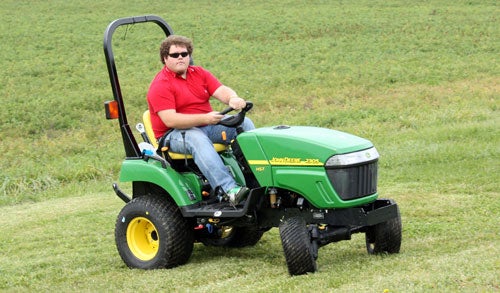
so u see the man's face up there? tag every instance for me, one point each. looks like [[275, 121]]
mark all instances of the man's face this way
[[177, 64]]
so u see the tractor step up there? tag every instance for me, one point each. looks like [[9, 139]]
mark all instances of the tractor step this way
[[224, 209]]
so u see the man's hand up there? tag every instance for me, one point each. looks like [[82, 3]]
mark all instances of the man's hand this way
[[237, 103], [213, 118]]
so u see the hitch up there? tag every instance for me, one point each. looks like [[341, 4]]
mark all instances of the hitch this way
[[323, 235]]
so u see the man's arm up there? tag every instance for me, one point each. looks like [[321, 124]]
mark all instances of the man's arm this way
[[229, 97], [183, 121]]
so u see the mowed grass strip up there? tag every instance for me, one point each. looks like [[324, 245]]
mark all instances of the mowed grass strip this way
[[67, 244]]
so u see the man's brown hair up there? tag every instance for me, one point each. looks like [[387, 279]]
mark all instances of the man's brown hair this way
[[177, 41]]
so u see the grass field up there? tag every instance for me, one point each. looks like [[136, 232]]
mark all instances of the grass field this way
[[420, 80]]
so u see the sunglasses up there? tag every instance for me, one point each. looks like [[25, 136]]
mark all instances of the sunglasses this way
[[176, 55]]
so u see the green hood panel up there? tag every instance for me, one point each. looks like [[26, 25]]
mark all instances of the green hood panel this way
[[293, 158], [297, 145]]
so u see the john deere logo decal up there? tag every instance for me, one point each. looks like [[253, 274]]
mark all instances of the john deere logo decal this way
[[295, 162], [286, 161]]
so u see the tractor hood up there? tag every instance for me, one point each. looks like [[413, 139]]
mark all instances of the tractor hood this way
[[297, 145]]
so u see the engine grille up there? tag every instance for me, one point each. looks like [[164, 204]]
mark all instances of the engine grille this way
[[352, 182]]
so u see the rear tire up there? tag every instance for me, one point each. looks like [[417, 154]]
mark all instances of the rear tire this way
[[245, 236], [384, 237], [300, 254], [150, 233]]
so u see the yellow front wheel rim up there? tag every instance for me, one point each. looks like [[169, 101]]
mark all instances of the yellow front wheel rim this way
[[142, 238]]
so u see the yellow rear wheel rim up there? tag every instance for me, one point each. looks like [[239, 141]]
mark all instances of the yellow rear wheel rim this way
[[142, 238]]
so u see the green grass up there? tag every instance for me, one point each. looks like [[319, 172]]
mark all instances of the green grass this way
[[420, 80], [67, 244]]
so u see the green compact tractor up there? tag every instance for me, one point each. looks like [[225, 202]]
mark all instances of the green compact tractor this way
[[316, 185]]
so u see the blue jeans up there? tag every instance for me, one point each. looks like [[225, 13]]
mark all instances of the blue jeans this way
[[199, 143]]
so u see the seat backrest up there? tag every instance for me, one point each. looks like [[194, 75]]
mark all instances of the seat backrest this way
[[146, 119]]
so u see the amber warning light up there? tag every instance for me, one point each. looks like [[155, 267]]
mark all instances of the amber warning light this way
[[111, 108]]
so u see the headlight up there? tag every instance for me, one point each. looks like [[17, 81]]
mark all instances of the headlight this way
[[355, 158]]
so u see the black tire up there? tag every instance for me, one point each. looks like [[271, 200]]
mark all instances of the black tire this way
[[300, 254], [245, 236], [150, 233], [384, 237], [236, 237]]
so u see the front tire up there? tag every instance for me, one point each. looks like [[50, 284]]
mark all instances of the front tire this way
[[384, 237], [150, 233], [300, 254]]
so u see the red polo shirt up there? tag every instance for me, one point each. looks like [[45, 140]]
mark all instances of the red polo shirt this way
[[187, 96]]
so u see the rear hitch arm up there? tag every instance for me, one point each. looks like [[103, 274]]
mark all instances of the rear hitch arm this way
[[121, 194]]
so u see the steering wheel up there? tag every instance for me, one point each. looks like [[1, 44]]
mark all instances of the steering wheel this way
[[235, 120]]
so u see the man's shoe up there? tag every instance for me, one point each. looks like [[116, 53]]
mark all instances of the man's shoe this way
[[237, 194]]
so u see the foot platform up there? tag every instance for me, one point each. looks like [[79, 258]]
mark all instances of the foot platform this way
[[223, 209]]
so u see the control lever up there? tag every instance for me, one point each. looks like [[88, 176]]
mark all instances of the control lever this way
[[148, 152], [142, 131]]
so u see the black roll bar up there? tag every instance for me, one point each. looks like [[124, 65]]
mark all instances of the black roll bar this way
[[129, 142]]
